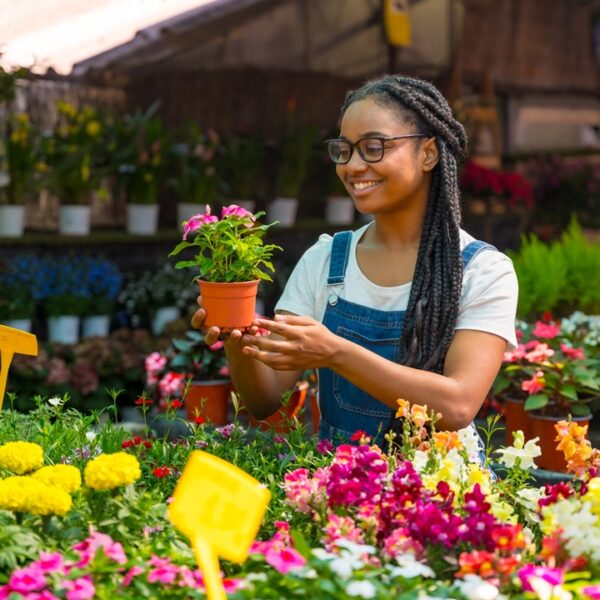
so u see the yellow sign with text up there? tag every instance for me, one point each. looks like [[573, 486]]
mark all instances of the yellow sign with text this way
[[396, 19], [219, 508], [13, 341]]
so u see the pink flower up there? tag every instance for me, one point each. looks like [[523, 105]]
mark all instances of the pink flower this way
[[546, 331], [79, 589], [172, 384], [166, 575], [574, 353], [96, 541], [324, 446], [516, 355], [133, 572], [216, 346], [535, 384], [155, 362], [285, 559], [233, 210], [43, 595], [198, 221], [28, 579], [592, 591], [50, 561], [224, 371], [552, 576], [539, 354]]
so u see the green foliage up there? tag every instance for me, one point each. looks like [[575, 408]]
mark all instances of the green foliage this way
[[560, 277], [242, 166]]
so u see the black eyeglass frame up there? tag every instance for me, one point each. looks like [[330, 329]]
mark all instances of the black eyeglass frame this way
[[370, 137]]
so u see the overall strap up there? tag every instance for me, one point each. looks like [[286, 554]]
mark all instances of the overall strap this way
[[340, 251], [471, 250]]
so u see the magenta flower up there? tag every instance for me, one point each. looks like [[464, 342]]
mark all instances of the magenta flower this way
[[133, 572], [592, 591], [50, 561], [546, 331], [79, 589], [324, 446], [284, 560], [198, 221], [96, 541], [233, 210], [574, 353], [552, 576], [28, 579]]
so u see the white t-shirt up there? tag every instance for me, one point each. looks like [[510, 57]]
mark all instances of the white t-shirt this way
[[488, 299]]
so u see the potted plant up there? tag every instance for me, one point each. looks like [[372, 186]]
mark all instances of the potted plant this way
[[23, 166], [558, 379], [62, 296], [196, 164], [103, 281], [295, 153], [138, 148], [17, 304], [243, 163], [74, 153], [339, 208], [231, 258]]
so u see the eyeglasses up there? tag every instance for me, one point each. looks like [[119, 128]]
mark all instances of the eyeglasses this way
[[370, 149]]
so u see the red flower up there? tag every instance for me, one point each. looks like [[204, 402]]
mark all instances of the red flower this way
[[127, 444], [176, 404], [143, 401], [199, 420], [358, 435], [161, 472]]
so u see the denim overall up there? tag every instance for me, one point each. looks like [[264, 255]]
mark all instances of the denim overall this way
[[344, 407]]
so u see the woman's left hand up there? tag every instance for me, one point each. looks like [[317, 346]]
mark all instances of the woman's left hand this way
[[299, 343]]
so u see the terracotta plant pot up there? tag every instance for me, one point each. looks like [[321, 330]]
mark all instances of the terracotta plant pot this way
[[208, 399], [551, 459], [281, 420], [515, 418], [229, 305]]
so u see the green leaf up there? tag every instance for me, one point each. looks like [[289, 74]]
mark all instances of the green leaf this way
[[536, 401], [580, 410], [181, 246], [182, 345], [569, 391]]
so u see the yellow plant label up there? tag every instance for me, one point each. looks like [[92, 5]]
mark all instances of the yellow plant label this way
[[13, 341]]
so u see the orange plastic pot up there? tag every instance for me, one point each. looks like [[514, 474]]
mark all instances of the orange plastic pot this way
[[551, 459], [229, 305], [515, 418], [208, 399], [281, 420]]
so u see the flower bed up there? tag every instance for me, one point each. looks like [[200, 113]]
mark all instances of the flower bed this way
[[83, 514]]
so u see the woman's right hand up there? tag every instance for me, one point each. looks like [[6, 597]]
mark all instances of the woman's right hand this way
[[214, 334]]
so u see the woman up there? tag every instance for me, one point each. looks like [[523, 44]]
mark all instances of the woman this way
[[408, 306]]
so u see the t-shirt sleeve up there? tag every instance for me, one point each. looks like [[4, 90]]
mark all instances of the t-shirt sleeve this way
[[489, 296]]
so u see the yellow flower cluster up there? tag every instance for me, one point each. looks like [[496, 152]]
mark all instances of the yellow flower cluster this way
[[109, 471], [26, 494], [21, 457], [65, 477]]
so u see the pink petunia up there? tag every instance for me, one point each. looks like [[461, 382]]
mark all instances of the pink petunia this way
[[546, 331], [198, 221], [592, 591], [284, 560], [233, 210], [50, 561], [552, 576]]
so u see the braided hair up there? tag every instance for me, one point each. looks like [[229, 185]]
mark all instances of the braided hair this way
[[432, 308]]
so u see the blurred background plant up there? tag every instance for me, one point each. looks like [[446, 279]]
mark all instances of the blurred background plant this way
[[103, 282], [242, 166], [17, 279]]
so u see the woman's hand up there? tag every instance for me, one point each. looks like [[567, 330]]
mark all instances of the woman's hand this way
[[299, 343], [213, 334]]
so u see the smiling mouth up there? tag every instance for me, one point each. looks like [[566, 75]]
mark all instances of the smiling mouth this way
[[364, 185]]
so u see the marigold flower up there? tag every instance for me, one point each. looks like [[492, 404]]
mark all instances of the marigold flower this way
[[26, 494], [21, 457], [65, 477], [109, 471]]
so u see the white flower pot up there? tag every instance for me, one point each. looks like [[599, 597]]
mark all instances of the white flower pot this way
[[22, 324], [74, 219], [142, 219], [12, 220], [96, 326], [283, 210], [162, 317], [339, 210], [186, 210], [249, 205], [64, 330]]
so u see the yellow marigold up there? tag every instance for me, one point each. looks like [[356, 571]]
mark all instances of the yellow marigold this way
[[65, 477], [26, 494], [109, 471], [21, 457]]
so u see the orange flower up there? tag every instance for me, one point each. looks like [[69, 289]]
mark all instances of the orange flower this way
[[446, 440], [419, 414], [403, 409], [573, 443]]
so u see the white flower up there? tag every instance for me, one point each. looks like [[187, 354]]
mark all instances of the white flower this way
[[342, 567], [356, 550], [528, 498], [55, 401], [410, 567], [322, 554], [90, 436], [419, 461], [544, 590], [362, 589], [471, 442], [475, 588], [526, 453]]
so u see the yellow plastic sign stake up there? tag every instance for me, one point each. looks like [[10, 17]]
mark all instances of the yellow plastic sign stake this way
[[13, 341], [219, 508], [396, 18]]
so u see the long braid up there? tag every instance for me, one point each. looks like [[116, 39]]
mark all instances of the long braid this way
[[432, 309]]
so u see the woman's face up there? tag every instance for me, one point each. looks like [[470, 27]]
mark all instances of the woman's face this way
[[401, 179]]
